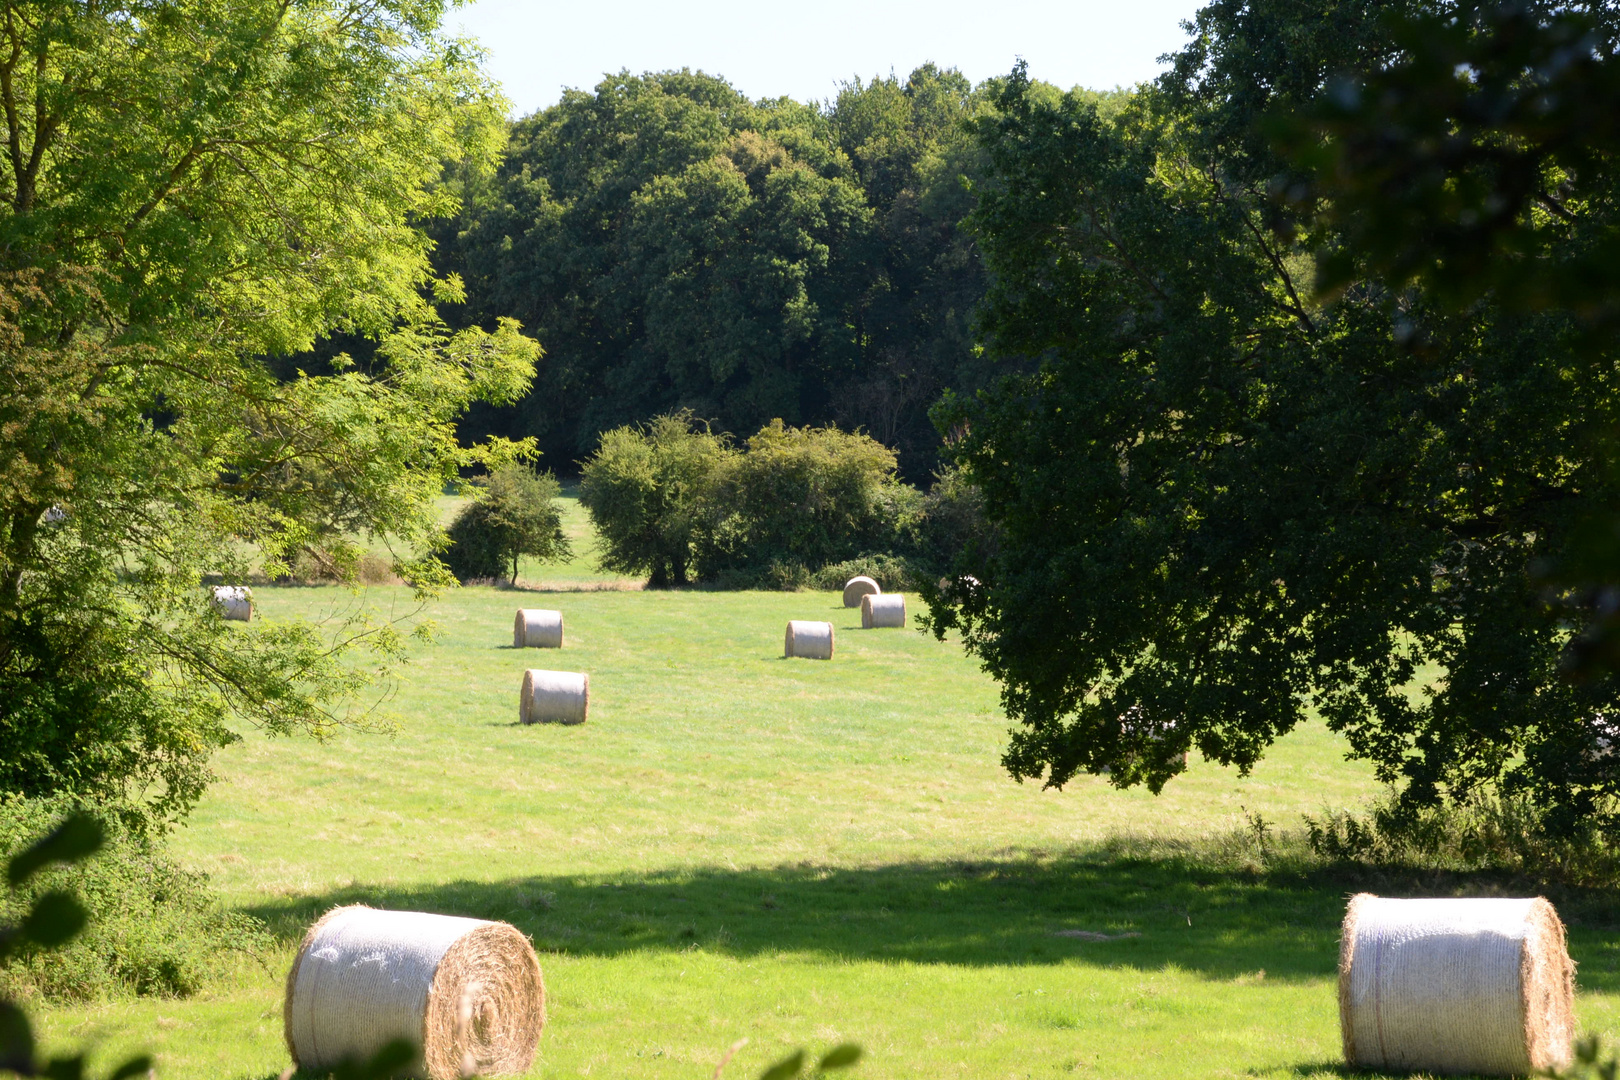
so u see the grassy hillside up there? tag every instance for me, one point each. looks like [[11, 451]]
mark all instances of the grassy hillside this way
[[795, 852]]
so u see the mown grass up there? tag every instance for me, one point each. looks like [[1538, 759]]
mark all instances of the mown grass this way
[[794, 852]]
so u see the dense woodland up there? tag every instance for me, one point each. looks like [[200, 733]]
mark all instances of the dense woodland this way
[[674, 245]]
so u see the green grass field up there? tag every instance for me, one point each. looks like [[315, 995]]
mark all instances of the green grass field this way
[[795, 852]]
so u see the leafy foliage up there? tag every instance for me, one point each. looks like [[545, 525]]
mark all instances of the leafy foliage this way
[[804, 497], [679, 246], [516, 515], [646, 490], [675, 500], [190, 190], [1477, 164], [52, 919], [1220, 503], [157, 927]]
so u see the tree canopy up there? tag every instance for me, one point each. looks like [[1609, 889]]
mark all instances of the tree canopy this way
[[188, 189], [678, 246], [1223, 503]]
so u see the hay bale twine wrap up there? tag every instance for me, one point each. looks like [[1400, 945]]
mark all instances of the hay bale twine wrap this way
[[809, 640], [1455, 986], [537, 628], [467, 991], [878, 612], [235, 602], [857, 587], [554, 697]]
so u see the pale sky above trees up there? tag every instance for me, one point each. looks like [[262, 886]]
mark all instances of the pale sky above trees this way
[[770, 50]]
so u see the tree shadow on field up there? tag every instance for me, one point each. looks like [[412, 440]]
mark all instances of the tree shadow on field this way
[[1100, 908]]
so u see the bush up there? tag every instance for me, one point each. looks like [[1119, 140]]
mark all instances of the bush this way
[[516, 514], [952, 535], [891, 572], [155, 928], [805, 497], [647, 490], [1485, 832]]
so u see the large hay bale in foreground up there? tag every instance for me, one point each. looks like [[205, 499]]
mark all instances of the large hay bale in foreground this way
[[467, 991], [554, 697], [1455, 986], [809, 640], [857, 587], [537, 628], [234, 602], [878, 612]]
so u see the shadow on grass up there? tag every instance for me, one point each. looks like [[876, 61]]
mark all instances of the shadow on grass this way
[[1219, 922]]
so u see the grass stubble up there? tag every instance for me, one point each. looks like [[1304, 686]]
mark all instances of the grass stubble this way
[[795, 852]]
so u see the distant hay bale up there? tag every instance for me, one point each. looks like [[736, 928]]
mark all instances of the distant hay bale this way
[[809, 640], [554, 697], [1455, 986], [537, 628], [878, 612], [466, 991], [857, 587], [234, 602]]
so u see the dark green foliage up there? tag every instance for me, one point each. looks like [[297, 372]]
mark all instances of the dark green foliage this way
[[79, 712], [1219, 504], [154, 927], [676, 245], [515, 514], [647, 489], [792, 1067], [952, 536], [1479, 163]]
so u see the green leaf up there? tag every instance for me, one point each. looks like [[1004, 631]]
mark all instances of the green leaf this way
[[135, 1066], [16, 1040], [56, 917], [64, 1068], [785, 1069], [840, 1057], [78, 836]]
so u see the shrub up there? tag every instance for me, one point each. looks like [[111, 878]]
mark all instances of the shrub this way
[[647, 488], [891, 572], [515, 514], [155, 928], [1484, 832], [951, 535], [805, 497]]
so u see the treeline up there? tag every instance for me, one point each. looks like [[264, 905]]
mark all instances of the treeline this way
[[674, 245], [788, 508]]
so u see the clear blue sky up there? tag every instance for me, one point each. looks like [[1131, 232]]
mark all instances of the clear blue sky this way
[[805, 50]]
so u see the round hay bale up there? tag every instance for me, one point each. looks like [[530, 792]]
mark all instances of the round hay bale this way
[[536, 628], [810, 640], [857, 587], [466, 991], [882, 611], [554, 697], [1455, 986], [234, 602]]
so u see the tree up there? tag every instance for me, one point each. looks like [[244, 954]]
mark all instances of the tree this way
[[804, 497], [645, 489], [1478, 164], [1222, 504], [679, 246], [190, 188], [517, 515]]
